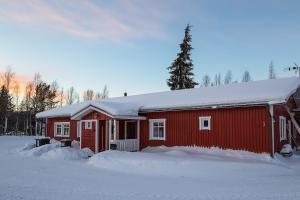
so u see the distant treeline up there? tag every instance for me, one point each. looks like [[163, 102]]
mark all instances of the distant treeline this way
[[20, 103]]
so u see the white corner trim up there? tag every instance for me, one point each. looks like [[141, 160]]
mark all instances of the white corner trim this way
[[271, 110]]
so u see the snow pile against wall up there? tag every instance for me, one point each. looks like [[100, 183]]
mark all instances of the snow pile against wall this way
[[175, 161], [254, 92], [53, 151], [216, 152]]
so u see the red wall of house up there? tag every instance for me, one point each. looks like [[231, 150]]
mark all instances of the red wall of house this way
[[245, 128], [88, 135], [73, 128]]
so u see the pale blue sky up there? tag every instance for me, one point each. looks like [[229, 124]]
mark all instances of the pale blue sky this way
[[128, 45]]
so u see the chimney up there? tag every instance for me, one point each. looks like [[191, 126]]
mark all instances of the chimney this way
[[125, 94]]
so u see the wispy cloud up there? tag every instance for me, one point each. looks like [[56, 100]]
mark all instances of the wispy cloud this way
[[96, 20]]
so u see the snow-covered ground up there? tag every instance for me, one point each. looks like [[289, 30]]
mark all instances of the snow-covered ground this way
[[51, 172]]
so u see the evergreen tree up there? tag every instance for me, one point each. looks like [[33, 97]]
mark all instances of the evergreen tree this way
[[6, 103], [272, 74], [44, 97], [181, 69], [206, 80], [246, 77], [217, 79], [228, 78]]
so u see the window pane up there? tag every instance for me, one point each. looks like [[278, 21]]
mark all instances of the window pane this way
[[112, 136], [161, 124], [205, 123], [161, 132], [66, 129], [155, 132], [131, 130], [58, 129], [155, 124]]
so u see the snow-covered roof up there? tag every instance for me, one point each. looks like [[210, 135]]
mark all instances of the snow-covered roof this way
[[254, 92]]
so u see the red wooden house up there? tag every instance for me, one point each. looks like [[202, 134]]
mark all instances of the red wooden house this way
[[258, 116]]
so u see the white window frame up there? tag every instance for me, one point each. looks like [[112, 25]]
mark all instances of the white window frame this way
[[62, 125], [151, 123], [201, 123], [79, 128], [282, 128], [88, 124], [55, 129]]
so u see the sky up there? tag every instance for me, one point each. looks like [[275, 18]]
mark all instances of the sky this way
[[128, 44]]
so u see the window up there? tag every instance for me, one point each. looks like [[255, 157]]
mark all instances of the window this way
[[62, 129], [88, 125], [58, 129], [114, 128], [157, 129], [282, 128], [66, 131], [130, 130], [204, 123], [78, 128]]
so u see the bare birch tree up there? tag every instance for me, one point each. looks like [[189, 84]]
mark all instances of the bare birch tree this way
[[72, 96]]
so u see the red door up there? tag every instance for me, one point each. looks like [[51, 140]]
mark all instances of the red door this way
[[88, 133]]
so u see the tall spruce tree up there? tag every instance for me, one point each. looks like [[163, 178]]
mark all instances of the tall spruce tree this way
[[228, 78], [206, 80], [246, 76], [181, 69], [272, 74], [6, 103]]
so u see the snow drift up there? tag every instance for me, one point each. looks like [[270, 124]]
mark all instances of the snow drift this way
[[54, 151], [174, 161]]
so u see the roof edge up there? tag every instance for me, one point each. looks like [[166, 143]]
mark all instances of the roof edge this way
[[212, 106]]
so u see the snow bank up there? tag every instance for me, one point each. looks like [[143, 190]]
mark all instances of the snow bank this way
[[67, 153], [213, 152], [54, 151], [175, 161], [28, 178]]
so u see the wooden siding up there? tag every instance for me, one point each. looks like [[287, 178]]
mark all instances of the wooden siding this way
[[88, 135], [244, 128], [73, 128]]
